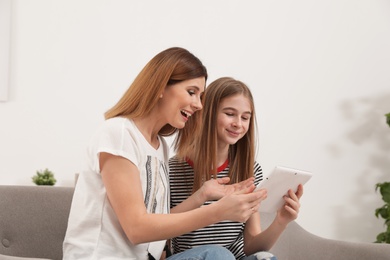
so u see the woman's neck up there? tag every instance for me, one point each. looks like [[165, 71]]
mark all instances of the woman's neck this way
[[149, 130]]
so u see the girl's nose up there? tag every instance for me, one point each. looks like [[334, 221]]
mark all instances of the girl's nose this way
[[237, 123]]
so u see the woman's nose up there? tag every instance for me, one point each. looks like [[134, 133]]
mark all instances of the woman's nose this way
[[197, 104]]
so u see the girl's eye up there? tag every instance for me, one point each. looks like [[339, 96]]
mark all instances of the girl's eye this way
[[229, 114], [245, 118]]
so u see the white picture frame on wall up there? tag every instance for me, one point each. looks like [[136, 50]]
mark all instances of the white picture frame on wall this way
[[5, 35]]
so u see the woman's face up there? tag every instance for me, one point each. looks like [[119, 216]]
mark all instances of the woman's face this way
[[233, 119], [181, 100]]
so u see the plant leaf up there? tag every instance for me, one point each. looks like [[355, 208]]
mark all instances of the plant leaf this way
[[380, 237], [384, 189], [388, 119]]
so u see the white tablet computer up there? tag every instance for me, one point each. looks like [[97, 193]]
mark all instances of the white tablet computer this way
[[277, 185]]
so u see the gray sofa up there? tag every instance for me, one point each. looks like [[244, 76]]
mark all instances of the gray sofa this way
[[33, 221]]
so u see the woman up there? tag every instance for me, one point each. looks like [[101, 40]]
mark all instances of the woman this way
[[225, 147], [120, 204]]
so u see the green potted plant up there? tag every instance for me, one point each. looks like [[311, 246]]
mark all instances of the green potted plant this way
[[388, 119], [44, 177], [384, 211]]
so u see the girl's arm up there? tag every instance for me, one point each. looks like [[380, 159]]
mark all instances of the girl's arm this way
[[256, 240], [119, 174]]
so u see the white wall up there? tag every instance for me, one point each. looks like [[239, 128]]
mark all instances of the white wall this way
[[319, 71], [5, 35]]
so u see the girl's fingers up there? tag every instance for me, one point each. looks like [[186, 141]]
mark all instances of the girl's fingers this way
[[293, 203], [223, 180], [297, 195], [292, 211], [249, 181], [263, 193], [245, 190], [292, 195], [299, 192], [246, 183]]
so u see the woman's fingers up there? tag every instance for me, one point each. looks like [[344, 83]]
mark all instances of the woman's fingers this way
[[245, 203]]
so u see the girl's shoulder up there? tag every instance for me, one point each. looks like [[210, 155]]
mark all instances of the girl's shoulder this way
[[258, 173], [175, 161], [257, 166]]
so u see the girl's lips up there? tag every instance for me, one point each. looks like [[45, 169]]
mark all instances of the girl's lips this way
[[233, 133]]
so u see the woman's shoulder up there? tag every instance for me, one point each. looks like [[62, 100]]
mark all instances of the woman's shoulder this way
[[117, 121], [115, 130], [116, 124]]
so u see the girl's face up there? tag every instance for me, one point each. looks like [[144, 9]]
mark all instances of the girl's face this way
[[233, 119], [181, 100]]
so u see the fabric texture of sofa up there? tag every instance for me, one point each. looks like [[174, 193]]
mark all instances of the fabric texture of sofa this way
[[33, 222]]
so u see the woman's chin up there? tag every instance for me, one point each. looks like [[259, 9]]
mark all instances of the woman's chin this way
[[179, 125]]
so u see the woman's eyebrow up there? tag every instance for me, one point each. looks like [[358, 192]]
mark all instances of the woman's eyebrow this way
[[195, 87]]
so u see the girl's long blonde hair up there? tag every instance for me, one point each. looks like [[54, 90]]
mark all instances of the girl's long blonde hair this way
[[241, 155]]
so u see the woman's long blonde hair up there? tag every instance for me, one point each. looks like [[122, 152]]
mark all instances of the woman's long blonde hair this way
[[168, 67], [241, 155]]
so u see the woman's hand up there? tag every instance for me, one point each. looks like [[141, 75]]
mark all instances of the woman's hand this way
[[215, 189], [241, 204], [290, 209]]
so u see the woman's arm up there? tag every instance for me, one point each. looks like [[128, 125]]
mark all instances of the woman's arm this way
[[213, 189], [256, 240], [119, 174]]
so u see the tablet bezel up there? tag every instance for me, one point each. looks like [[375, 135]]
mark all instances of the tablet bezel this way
[[277, 185]]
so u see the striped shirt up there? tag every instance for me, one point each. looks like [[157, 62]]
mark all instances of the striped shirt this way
[[226, 233]]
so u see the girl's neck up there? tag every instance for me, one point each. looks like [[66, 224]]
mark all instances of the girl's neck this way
[[222, 155]]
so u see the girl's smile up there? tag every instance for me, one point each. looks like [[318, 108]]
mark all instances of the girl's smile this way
[[233, 120]]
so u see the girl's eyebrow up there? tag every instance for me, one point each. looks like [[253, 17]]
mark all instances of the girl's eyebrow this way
[[232, 108]]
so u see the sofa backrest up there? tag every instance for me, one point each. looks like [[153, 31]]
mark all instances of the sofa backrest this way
[[33, 220]]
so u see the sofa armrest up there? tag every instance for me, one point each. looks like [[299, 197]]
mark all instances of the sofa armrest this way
[[296, 243]]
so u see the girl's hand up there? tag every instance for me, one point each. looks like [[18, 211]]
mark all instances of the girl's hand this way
[[215, 189], [290, 209]]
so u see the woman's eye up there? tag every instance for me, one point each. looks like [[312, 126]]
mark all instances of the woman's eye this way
[[191, 92], [229, 114]]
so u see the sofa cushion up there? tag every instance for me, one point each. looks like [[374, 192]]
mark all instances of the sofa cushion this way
[[33, 220]]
